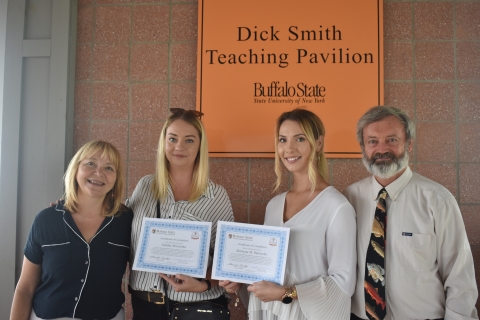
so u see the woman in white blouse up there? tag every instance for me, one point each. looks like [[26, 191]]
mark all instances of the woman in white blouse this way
[[321, 261]]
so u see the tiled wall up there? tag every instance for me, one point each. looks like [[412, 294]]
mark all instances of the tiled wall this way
[[137, 58]]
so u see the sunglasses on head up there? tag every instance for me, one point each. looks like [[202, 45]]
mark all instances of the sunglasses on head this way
[[179, 111]]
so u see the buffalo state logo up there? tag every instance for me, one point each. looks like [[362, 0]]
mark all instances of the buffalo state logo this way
[[273, 242]]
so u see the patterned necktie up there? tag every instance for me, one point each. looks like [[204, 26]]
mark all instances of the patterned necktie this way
[[375, 303]]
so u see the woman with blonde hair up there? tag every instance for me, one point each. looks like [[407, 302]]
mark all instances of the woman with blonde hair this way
[[180, 190], [321, 260], [77, 251]]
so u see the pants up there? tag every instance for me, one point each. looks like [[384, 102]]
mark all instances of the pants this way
[[120, 316], [144, 310], [354, 317]]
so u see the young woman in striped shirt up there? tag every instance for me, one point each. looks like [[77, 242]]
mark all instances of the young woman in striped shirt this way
[[183, 191]]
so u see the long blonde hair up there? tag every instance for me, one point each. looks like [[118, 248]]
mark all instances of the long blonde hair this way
[[313, 128], [112, 203], [200, 170]]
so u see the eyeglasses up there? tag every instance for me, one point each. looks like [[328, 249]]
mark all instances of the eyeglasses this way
[[180, 111]]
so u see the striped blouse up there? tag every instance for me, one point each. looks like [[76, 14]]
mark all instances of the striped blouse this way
[[213, 205]]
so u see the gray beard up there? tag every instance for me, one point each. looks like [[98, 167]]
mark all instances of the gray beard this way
[[386, 170]]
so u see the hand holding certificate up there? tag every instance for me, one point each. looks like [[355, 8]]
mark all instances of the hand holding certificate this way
[[249, 253], [173, 247]]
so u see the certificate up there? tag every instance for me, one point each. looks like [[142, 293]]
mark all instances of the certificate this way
[[249, 253], [173, 247]]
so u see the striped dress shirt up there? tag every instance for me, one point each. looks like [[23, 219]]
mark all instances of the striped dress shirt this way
[[213, 205]]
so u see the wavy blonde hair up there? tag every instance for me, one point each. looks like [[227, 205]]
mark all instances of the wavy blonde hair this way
[[313, 128], [112, 203], [200, 170]]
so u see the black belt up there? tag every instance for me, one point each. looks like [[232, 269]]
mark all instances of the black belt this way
[[354, 317], [156, 297]]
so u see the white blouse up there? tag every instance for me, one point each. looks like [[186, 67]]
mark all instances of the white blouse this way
[[321, 260]]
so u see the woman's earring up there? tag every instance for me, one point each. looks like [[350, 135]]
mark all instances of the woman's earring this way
[[113, 196]]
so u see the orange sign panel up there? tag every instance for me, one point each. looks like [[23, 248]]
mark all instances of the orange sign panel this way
[[259, 58]]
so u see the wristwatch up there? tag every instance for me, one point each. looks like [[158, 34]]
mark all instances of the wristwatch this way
[[290, 294]]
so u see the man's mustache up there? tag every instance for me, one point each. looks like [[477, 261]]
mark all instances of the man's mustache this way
[[386, 155]]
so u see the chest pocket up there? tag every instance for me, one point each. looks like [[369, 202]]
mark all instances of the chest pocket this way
[[117, 257], [418, 251], [117, 247], [56, 256]]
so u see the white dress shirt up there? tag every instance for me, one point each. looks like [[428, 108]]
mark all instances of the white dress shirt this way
[[428, 262], [320, 261]]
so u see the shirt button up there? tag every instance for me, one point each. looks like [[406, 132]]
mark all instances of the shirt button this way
[[81, 280], [76, 298], [86, 262]]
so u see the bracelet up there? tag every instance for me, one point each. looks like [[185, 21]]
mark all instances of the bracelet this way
[[209, 285]]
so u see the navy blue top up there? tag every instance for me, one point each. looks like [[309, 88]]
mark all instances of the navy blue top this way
[[79, 279]]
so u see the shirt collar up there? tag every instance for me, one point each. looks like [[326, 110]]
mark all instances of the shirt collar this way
[[60, 205], [394, 188], [208, 193]]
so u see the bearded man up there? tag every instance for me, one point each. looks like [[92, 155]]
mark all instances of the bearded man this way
[[414, 258]]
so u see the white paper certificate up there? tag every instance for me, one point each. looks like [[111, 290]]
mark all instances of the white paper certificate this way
[[173, 247], [249, 253]]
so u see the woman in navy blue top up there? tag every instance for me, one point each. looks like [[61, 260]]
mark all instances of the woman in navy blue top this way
[[77, 251]]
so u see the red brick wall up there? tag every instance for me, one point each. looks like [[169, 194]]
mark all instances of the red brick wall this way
[[136, 59]]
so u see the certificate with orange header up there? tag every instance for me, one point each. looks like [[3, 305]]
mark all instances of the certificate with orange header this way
[[248, 253], [173, 247]]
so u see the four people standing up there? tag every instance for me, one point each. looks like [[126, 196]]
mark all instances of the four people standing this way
[[424, 270]]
